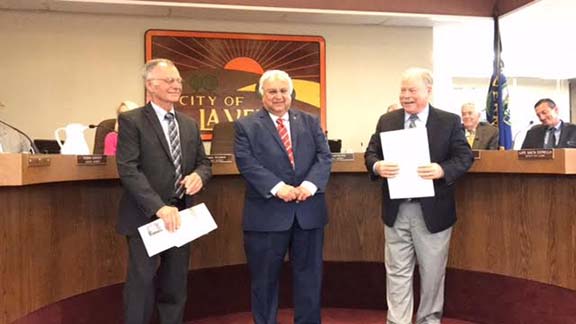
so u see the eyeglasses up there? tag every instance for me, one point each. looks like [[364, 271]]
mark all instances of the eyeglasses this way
[[274, 92], [167, 80]]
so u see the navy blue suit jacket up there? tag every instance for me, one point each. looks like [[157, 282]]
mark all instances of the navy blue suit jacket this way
[[448, 147], [263, 162]]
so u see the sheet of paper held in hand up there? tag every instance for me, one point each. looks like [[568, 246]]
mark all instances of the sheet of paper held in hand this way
[[195, 222], [409, 148]]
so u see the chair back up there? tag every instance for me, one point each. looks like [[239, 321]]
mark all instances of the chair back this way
[[104, 127]]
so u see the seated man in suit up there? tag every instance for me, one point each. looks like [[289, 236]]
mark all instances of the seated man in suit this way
[[552, 132], [480, 135]]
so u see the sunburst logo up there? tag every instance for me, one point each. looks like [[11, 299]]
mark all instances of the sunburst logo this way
[[221, 71]]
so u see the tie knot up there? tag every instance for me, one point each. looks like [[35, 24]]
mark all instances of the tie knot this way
[[551, 129], [413, 117], [280, 122], [169, 116]]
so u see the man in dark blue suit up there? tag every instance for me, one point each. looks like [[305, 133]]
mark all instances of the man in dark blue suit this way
[[284, 157], [419, 229]]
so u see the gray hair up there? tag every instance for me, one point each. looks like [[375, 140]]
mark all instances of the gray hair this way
[[150, 65], [422, 73], [274, 75]]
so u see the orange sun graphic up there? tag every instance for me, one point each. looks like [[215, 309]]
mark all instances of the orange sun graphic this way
[[244, 64]]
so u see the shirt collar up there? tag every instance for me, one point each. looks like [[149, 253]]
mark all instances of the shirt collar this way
[[557, 126], [275, 118], [160, 112], [422, 116]]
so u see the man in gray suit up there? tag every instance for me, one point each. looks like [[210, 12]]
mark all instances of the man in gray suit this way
[[480, 135], [161, 163], [419, 229]]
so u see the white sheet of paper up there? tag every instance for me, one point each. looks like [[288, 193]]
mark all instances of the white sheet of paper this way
[[196, 221], [409, 148], [156, 237]]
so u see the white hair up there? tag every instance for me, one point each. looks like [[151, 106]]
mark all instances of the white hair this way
[[274, 75]]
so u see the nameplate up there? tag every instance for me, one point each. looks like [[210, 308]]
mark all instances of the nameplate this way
[[88, 160], [476, 154], [220, 158], [342, 156], [34, 161], [536, 154]]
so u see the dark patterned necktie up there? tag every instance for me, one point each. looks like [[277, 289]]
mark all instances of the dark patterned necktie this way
[[412, 121], [551, 138], [176, 154], [283, 132]]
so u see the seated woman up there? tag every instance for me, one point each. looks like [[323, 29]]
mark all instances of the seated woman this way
[[111, 139]]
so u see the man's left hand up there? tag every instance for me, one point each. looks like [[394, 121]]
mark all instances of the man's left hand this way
[[431, 171], [302, 193], [192, 183]]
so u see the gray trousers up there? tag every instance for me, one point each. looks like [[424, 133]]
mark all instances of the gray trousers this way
[[408, 242]]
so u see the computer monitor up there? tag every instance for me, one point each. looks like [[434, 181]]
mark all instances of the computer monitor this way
[[46, 146]]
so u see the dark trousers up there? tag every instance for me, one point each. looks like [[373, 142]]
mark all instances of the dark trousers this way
[[161, 279], [265, 252]]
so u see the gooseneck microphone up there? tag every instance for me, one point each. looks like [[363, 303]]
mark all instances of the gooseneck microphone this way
[[32, 145], [521, 131]]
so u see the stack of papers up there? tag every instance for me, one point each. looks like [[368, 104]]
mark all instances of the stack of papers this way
[[196, 221], [409, 148]]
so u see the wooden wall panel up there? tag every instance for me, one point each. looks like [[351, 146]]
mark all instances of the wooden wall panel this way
[[518, 225], [59, 240]]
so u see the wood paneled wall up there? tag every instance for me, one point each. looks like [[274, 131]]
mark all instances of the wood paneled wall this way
[[58, 239]]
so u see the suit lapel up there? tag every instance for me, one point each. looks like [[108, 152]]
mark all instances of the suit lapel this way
[[266, 121], [295, 124], [563, 135], [155, 123], [433, 123], [185, 137]]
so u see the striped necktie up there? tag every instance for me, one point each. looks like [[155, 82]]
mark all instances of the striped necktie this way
[[412, 121], [176, 154], [283, 132]]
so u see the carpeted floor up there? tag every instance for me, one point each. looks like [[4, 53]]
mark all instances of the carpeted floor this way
[[329, 316]]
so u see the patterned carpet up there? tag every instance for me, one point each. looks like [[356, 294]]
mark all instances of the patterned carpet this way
[[329, 316]]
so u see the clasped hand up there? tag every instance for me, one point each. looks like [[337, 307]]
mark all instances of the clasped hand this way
[[289, 193], [388, 170]]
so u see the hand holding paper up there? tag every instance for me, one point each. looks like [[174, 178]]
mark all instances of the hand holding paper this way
[[194, 222], [408, 150]]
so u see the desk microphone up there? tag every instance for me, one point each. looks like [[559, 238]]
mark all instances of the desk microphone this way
[[32, 145], [521, 131], [100, 126]]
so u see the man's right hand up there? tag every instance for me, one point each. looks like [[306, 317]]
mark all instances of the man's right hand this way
[[386, 169], [287, 193], [170, 217]]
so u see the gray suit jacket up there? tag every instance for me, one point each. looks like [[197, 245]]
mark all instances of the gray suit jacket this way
[[486, 137], [145, 165]]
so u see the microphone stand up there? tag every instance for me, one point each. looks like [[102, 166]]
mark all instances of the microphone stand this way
[[32, 145]]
